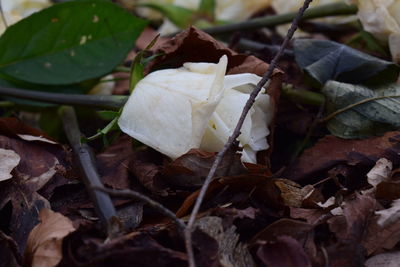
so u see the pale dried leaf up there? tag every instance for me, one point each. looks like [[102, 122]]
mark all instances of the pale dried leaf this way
[[380, 172], [45, 240], [292, 193], [390, 215], [390, 259], [28, 137], [8, 161]]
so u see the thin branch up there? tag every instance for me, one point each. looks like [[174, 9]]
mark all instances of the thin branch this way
[[138, 196], [102, 201], [364, 101], [236, 133], [334, 9], [109, 102]]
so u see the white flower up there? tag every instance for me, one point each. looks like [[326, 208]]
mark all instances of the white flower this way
[[15, 10], [195, 106], [382, 19]]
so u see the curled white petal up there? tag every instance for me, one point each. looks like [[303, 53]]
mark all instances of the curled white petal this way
[[223, 121], [169, 109]]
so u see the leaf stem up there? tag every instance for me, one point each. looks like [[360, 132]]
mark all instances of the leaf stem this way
[[236, 133], [334, 9], [109, 102], [102, 201], [339, 111], [303, 96]]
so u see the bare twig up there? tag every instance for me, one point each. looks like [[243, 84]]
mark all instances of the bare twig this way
[[138, 196], [110, 102], [236, 133], [349, 107], [3, 18], [102, 201]]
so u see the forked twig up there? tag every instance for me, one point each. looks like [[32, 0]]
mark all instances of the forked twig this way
[[236, 133]]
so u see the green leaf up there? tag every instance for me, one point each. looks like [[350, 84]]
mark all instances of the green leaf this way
[[180, 16], [69, 42], [207, 7], [360, 111], [327, 60]]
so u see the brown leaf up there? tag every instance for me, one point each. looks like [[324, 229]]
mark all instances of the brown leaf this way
[[112, 164], [8, 161], [388, 190], [44, 242], [284, 227], [292, 193], [231, 252], [312, 216], [379, 238], [284, 252], [331, 151], [192, 168]]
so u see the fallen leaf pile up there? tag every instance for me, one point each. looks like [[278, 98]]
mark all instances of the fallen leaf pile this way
[[325, 192]]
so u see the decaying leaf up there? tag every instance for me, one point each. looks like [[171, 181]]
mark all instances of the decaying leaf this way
[[285, 252], [8, 161], [231, 252], [332, 151], [292, 193], [44, 242], [380, 172]]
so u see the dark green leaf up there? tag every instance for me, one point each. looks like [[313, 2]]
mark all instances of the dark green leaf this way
[[377, 111], [180, 16], [69, 42], [327, 60]]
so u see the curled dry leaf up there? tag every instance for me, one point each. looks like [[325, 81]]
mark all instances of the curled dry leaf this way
[[292, 193], [380, 172], [45, 240], [8, 161]]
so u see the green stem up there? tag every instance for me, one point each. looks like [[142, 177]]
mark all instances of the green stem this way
[[335, 9], [122, 69], [102, 201], [109, 102], [303, 96], [349, 107]]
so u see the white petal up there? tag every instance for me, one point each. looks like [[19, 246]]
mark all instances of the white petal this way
[[170, 109]]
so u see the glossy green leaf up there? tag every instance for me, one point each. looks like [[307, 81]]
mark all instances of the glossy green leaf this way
[[180, 16], [327, 60], [69, 42], [367, 111]]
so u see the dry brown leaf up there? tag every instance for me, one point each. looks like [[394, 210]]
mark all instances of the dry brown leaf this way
[[8, 161], [292, 193], [332, 151], [45, 240]]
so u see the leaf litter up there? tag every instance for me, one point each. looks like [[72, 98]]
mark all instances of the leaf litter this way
[[335, 205]]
